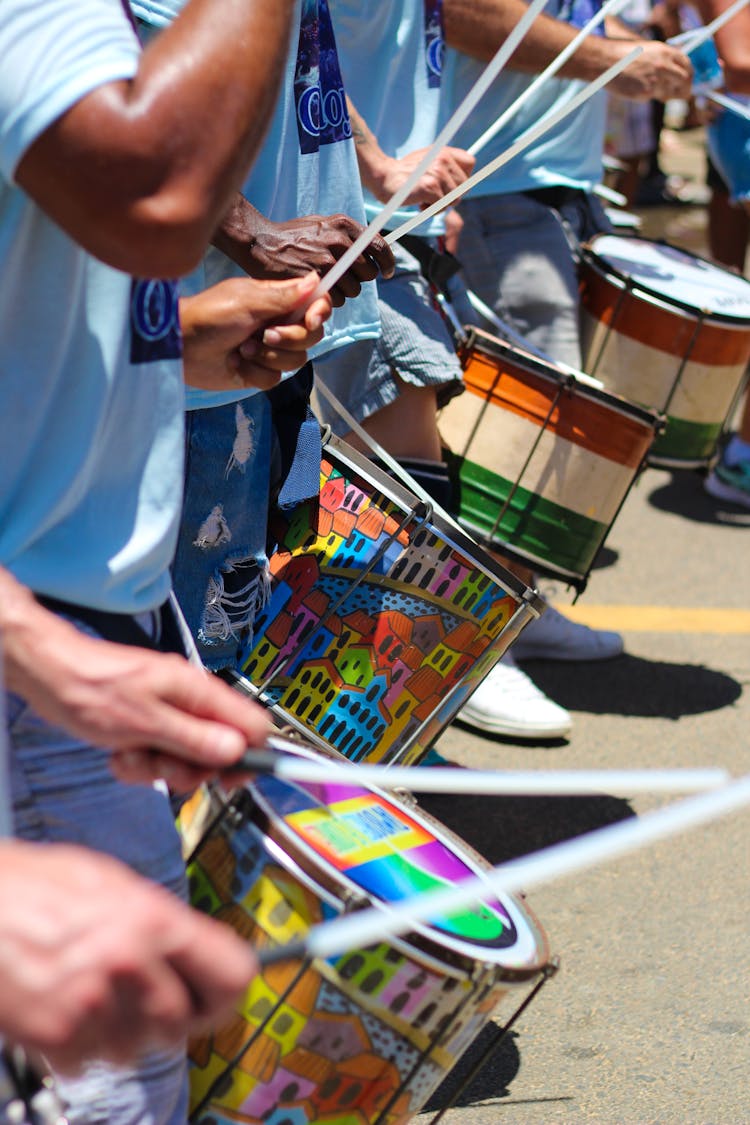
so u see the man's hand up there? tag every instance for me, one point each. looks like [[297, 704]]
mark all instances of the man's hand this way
[[160, 715], [661, 72], [96, 962], [315, 242], [448, 170], [236, 334]]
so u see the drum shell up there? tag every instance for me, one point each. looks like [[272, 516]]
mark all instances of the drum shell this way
[[542, 463], [651, 350], [375, 665], [372, 1028]]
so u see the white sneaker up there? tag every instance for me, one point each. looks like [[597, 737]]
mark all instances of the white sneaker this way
[[507, 702], [555, 637]]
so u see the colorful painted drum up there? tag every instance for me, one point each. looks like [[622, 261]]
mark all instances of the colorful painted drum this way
[[665, 328], [541, 461], [383, 618], [367, 1036]]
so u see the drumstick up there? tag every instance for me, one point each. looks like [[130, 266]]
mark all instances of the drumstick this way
[[447, 779], [689, 40], [376, 924], [504, 330], [727, 103], [446, 134], [606, 9], [523, 142]]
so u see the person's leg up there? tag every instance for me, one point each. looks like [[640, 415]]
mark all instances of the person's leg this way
[[517, 258], [64, 791], [728, 232]]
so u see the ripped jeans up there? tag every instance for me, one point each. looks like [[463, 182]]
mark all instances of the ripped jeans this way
[[240, 460]]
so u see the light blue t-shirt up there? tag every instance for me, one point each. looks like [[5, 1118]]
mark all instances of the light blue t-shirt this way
[[91, 392], [308, 165], [392, 58], [569, 154]]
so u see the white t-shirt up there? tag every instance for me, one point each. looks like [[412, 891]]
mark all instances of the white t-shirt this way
[[91, 392], [307, 165], [392, 57]]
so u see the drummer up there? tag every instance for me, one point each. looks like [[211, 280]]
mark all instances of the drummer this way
[[401, 40], [249, 450]]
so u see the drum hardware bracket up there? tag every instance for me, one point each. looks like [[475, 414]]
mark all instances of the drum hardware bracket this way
[[549, 970]]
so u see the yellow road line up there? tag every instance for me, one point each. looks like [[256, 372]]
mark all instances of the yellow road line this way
[[659, 619]]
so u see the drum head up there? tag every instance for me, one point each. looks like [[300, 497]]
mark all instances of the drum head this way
[[369, 843], [674, 275]]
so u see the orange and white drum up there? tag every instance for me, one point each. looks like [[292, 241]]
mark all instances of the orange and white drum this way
[[671, 331], [541, 461]]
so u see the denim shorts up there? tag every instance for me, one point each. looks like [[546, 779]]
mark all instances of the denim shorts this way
[[414, 344]]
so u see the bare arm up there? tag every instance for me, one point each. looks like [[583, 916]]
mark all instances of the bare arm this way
[[732, 43], [478, 27], [160, 715], [383, 175], [265, 249], [141, 172]]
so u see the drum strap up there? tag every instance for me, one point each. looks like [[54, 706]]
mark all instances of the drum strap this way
[[437, 266]]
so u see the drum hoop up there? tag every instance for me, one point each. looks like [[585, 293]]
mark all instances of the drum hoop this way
[[707, 316], [459, 952], [452, 534], [492, 345]]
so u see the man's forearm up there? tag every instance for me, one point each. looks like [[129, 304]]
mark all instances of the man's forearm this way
[[143, 167], [479, 27]]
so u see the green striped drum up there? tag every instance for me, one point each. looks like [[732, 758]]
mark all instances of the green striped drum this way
[[541, 461], [667, 329]]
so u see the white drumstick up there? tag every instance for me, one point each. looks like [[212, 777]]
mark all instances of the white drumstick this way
[[445, 135], [607, 9], [523, 142], [689, 40], [727, 103], [376, 924], [447, 779]]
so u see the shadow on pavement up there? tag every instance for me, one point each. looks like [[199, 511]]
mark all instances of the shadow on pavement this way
[[683, 495], [492, 1081], [631, 685], [502, 828]]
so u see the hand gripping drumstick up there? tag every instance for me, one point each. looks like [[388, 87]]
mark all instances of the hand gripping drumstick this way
[[548, 783], [446, 134], [378, 923], [689, 40], [610, 8], [523, 142]]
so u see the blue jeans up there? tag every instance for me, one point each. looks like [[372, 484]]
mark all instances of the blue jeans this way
[[519, 256], [241, 460], [64, 792]]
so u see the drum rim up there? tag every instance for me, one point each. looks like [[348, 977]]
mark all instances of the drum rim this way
[[592, 258], [653, 419], [458, 950], [453, 535]]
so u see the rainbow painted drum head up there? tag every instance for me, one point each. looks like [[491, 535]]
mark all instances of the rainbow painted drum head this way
[[667, 329], [369, 1035], [541, 462], [383, 617]]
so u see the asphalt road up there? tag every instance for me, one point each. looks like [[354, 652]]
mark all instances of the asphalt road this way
[[647, 1021]]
